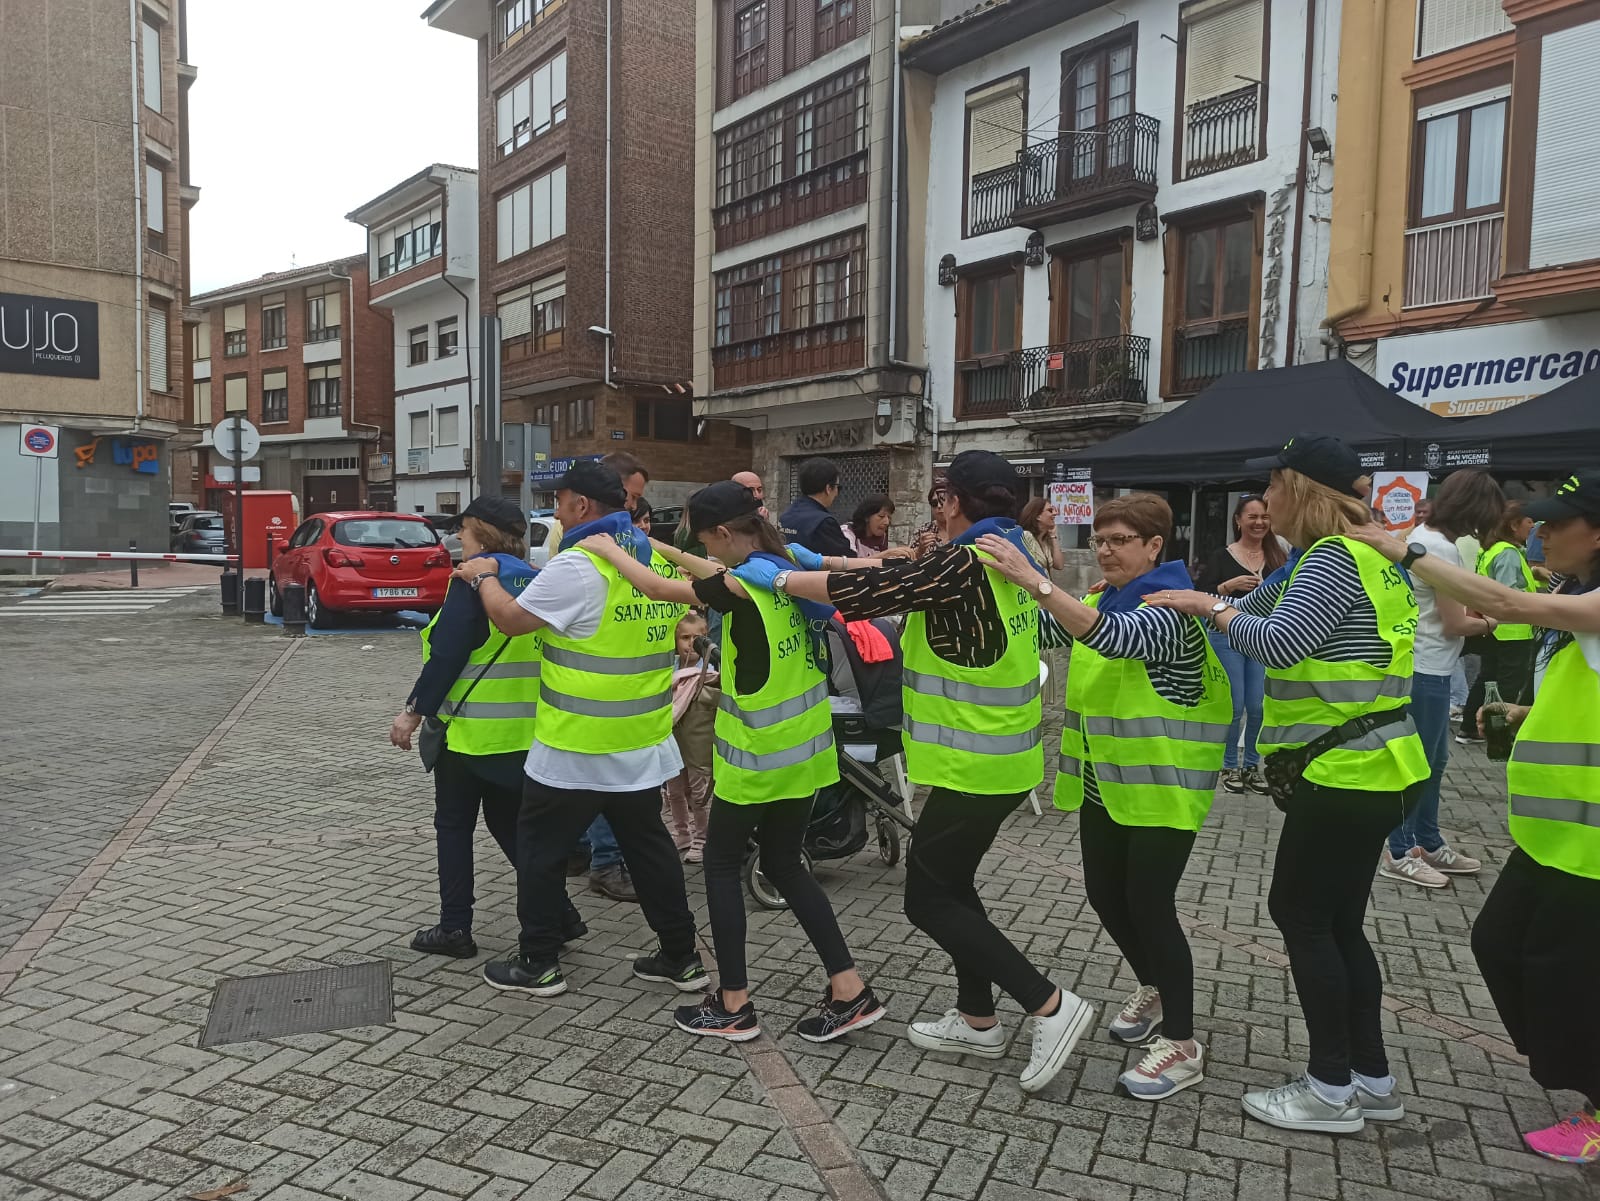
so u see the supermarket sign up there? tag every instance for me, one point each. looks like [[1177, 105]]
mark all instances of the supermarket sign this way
[[1470, 372]]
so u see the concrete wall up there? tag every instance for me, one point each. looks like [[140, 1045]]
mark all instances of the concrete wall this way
[[104, 503]]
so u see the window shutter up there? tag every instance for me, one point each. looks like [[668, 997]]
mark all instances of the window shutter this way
[[1566, 222], [233, 394], [155, 198], [996, 123], [233, 319], [330, 310], [1223, 42], [516, 315], [274, 380], [504, 119], [1443, 24], [156, 320], [725, 19]]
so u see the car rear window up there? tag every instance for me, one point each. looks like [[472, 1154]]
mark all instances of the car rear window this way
[[206, 523], [396, 533], [537, 534]]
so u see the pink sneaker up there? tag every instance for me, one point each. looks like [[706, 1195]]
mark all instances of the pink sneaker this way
[[1574, 1139]]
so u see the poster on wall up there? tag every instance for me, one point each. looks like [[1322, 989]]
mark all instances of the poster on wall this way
[[1072, 499], [1395, 496]]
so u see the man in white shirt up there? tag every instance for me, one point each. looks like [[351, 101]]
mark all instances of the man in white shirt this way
[[566, 789]]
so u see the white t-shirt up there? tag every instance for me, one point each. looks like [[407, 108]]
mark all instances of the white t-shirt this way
[[1436, 655], [569, 595]]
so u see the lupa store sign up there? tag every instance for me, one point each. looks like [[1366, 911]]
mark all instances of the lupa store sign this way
[[1469, 372], [45, 335]]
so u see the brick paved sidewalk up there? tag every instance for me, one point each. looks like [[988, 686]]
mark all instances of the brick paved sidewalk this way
[[293, 836]]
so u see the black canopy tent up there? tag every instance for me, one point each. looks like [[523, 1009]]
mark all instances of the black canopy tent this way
[[1249, 414], [1551, 435]]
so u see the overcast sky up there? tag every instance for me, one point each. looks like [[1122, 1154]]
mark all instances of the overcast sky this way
[[305, 109]]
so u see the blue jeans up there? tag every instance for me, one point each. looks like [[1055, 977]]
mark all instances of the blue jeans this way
[[1430, 710], [603, 849], [1247, 679]]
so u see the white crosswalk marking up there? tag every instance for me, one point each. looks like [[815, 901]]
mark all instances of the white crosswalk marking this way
[[95, 604]]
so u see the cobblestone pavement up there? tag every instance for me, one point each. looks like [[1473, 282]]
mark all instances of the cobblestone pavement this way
[[203, 800]]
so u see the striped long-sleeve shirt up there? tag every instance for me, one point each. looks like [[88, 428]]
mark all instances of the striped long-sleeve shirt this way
[[1326, 614]]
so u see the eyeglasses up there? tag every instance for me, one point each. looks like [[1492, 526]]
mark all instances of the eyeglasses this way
[[937, 497], [1114, 541]]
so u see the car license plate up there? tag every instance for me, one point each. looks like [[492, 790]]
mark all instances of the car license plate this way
[[380, 592]]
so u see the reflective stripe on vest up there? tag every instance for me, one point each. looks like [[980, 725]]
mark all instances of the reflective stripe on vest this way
[[1154, 762], [1317, 695], [612, 691], [497, 716], [775, 743], [976, 729], [1506, 632], [1553, 777], [473, 708]]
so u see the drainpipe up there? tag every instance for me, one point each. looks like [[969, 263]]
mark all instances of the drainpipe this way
[[466, 324], [1300, 189], [1380, 22], [611, 338], [891, 340], [141, 335]]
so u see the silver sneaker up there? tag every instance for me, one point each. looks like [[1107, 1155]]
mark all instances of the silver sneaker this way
[[1296, 1106], [1379, 1107]]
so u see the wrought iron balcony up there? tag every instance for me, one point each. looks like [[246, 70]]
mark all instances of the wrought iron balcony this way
[[1206, 351], [1458, 260], [1222, 131], [992, 201], [1088, 171], [1101, 371]]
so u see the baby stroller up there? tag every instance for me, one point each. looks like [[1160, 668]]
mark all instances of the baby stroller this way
[[863, 805]]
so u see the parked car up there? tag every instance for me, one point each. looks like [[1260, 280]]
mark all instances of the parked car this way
[[362, 562], [541, 538], [200, 533], [450, 541], [177, 510]]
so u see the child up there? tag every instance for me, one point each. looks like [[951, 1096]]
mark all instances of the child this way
[[686, 798]]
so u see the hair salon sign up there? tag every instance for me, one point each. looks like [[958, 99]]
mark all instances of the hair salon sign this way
[[44, 335]]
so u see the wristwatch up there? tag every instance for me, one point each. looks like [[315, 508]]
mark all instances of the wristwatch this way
[[780, 581], [1414, 551], [476, 581], [1217, 610], [411, 707], [1043, 587]]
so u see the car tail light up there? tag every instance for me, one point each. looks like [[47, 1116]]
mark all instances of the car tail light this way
[[439, 558], [335, 557]]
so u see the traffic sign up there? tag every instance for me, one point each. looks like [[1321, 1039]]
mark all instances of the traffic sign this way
[[223, 474], [249, 440], [41, 441]]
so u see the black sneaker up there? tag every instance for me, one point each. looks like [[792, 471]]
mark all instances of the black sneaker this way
[[712, 1017], [834, 1018], [457, 944], [518, 973], [685, 975], [1232, 780]]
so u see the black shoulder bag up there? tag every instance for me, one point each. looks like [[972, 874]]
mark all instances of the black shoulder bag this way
[[1283, 770], [431, 734]]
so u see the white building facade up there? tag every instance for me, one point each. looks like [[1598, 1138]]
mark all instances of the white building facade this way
[[1124, 203], [422, 248]]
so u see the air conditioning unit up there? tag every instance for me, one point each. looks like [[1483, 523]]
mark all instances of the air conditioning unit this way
[[896, 421]]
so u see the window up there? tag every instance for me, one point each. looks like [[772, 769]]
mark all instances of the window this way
[[1220, 110], [1216, 285], [235, 397], [234, 341], [322, 312], [532, 317], [997, 121], [1092, 289], [420, 434], [414, 240], [1459, 169], [532, 107], [274, 322], [447, 333], [531, 215], [151, 43], [514, 18], [1443, 24], [200, 340], [1096, 97], [274, 396], [988, 327], [1561, 225], [750, 48], [418, 339], [447, 502], [157, 313], [155, 207], [836, 24], [449, 419], [322, 390], [669, 419], [201, 391]]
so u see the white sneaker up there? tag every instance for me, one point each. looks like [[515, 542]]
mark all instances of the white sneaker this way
[[1163, 1071], [951, 1033], [1054, 1036], [1140, 1016], [1411, 868]]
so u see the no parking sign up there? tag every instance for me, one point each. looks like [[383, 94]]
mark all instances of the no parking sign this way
[[41, 441]]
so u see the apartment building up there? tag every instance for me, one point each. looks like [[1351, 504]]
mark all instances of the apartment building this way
[[805, 262], [586, 221], [94, 266], [1124, 202], [422, 259], [1465, 244], [307, 359]]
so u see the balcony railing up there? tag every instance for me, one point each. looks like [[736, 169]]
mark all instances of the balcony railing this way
[[836, 346], [1459, 260], [1103, 370], [1222, 131], [1204, 352], [992, 202], [1087, 170], [817, 193], [986, 387]]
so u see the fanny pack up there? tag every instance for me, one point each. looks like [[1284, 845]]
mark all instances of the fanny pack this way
[[1283, 770], [431, 735]]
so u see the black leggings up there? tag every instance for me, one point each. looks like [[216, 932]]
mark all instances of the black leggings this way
[[953, 834], [778, 828], [1131, 875], [1528, 941], [1320, 885]]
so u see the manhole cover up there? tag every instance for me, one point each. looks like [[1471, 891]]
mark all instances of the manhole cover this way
[[334, 998]]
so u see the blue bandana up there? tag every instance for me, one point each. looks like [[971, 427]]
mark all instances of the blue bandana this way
[[515, 574], [620, 526], [1005, 528], [1131, 595]]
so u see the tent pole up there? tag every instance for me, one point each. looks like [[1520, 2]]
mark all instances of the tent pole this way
[[1194, 517]]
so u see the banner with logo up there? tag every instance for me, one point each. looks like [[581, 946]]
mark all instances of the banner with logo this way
[[45, 335], [1395, 496]]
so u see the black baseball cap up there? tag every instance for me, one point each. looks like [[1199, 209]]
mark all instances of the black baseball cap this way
[[592, 478], [1318, 457], [497, 511], [716, 504], [1578, 497], [972, 471]]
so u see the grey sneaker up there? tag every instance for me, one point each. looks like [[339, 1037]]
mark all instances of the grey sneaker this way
[[1296, 1106], [1379, 1107]]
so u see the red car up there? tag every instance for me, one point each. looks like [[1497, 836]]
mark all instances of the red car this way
[[361, 563]]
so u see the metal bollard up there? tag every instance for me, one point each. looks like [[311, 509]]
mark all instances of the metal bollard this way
[[255, 599], [294, 608], [133, 564], [230, 590]]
